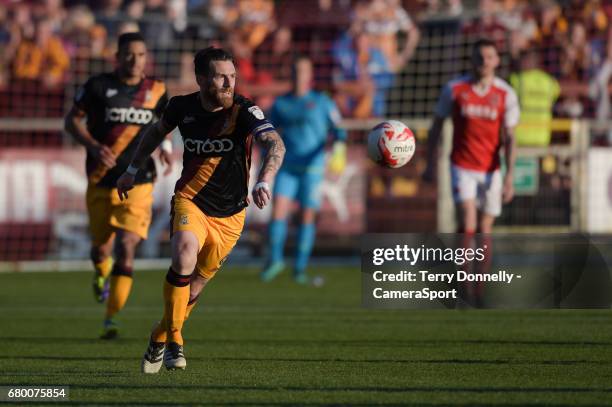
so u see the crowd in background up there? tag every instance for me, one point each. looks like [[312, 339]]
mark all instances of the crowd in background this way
[[361, 48]]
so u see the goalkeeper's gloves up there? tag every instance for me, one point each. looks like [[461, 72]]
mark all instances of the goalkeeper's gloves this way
[[337, 161]]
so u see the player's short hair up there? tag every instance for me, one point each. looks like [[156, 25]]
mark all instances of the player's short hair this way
[[297, 57], [205, 56], [127, 38], [484, 42]]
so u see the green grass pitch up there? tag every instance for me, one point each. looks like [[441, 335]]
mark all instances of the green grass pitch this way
[[279, 344]]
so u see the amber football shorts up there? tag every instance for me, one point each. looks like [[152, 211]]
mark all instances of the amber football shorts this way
[[216, 236], [107, 212]]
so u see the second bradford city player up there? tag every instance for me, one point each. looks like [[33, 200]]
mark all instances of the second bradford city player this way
[[117, 105]]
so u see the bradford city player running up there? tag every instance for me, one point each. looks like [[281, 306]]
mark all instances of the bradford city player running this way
[[210, 199], [118, 106], [484, 110]]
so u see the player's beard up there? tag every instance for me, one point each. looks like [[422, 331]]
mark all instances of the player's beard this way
[[223, 97]]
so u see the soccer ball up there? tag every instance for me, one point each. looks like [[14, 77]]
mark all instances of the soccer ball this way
[[391, 144]]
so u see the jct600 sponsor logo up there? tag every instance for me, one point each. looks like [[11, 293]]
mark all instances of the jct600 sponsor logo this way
[[221, 145], [128, 115]]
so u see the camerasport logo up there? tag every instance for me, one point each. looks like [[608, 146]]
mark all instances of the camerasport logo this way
[[208, 146], [129, 115]]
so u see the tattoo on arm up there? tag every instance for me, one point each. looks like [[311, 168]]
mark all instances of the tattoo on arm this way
[[274, 156], [150, 139]]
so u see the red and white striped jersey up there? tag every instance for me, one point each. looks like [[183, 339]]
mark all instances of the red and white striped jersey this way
[[477, 119]]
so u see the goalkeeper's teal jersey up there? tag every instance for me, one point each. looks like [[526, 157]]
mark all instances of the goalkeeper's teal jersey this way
[[304, 124]]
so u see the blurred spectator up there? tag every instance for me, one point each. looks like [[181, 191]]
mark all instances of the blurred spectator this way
[[155, 7], [599, 90], [243, 58], [223, 13], [576, 52], [126, 27], [315, 14], [487, 24], [551, 23], [9, 39], [53, 11], [510, 14], [176, 12], [588, 12], [23, 20], [215, 17], [383, 21], [41, 57], [110, 44], [156, 27], [275, 55], [82, 36], [552, 28], [110, 16], [570, 34], [520, 23], [362, 77], [186, 77], [595, 18], [255, 20], [537, 92], [135, 9], [163, 22], [574, 65], [453, 7]]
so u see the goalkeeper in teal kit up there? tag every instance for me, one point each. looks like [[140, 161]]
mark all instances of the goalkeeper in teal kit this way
[[305, 118]]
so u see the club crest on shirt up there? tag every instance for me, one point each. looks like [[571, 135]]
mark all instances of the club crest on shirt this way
[[256, 111], [184, 220]]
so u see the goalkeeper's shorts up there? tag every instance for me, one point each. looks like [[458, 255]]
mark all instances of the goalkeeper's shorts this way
[[107, 212], [301, 186], [216, 236]]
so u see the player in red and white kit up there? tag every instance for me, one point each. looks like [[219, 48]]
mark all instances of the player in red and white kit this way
[[484, 110]]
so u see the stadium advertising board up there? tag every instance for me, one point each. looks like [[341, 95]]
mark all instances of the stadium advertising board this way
[[41, 202]]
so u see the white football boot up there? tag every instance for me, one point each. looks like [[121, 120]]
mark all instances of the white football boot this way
[[174, 358], [153, 357]]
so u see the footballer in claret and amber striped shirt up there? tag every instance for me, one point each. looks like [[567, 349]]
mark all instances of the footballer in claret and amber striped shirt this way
[[217, 152], [210, 199], [116, 114], [117, 107]]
